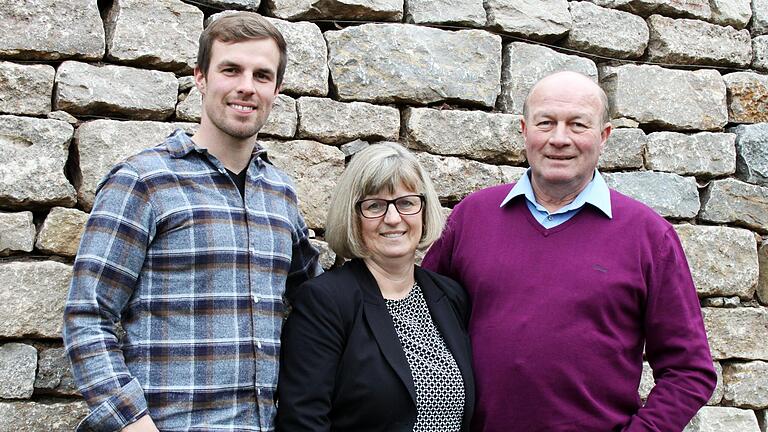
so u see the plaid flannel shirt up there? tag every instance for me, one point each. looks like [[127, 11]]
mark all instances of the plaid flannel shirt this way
[[195, 275]]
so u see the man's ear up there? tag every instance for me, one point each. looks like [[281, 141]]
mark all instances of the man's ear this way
[[606, 132], [279, 88], [200, 80]]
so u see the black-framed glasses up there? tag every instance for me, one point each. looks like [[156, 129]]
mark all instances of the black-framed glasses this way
[[377, 207]]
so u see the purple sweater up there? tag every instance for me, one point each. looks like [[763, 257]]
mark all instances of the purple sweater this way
[[560, 316]]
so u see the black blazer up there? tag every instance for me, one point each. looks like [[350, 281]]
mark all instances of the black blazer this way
[[342, 367]]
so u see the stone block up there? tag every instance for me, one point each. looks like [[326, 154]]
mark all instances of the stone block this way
[[669, 194], [762, 283], [393, 63], [623, 150], [752, 153], [250, 5], [26, 89], [306, 72], [723, 260], [17, 232], [760, 53], [747, 97], [759, 23], [353, 147], [60, 233], [762, 420], [190, 106], [468, 13], [455, 178], [36, 417], [336, 122], [511, 174], [647, 382], [666, 98], [732, 201], [51, 30], [54, 374], [327, 255], [314, 168], [63, 116], [737, 332], [698, 9], [534, 19], [525, 64], [32, 162], [723, 419], [84, 89], [702, 154], [746, 384], [154, 34], [734, 13], [368, 10], [606, 32], [18, 363]]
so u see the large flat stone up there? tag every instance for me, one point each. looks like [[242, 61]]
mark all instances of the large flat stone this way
[[752, 153], [18, 363], [762, 283], [647, 382], [760, 53], [723, 260], [455, 178], [747, 97], [699, 9], [524, 64], [746, 384], [723, 419], [413, 64], [623, 150], [26, 89], [735, 13], [54, 374], [759, 23], [468, 13], [61, 231], [667, 98], [732, 201], [737, 332], [369, 10], [669, 194], [334, 122], [606, 32], [306, 72], [490, 137], [85, 89], [702, 154], [17, 232], [51, 30], [34, 154], [534, 19], [37, 417]]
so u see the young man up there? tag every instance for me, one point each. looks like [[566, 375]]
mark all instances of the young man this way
[[189, 247]]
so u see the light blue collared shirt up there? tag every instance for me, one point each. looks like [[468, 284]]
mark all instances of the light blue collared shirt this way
[[596, 193]]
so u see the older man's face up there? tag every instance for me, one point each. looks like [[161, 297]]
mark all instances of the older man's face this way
[[564, 133]]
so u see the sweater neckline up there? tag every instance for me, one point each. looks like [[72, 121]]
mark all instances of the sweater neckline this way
[[549, 231]]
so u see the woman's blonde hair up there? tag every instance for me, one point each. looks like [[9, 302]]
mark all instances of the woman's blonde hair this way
[[377, 168]]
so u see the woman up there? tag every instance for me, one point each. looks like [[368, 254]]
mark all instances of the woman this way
[[378, 344]]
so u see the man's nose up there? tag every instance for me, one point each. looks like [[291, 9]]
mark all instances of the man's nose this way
[[560, 136]]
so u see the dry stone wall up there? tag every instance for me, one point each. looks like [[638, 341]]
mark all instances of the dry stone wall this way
[[85, 83]]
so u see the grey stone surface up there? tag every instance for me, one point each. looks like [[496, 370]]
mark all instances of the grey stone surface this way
[[723, 419], [408, 63], [490, 137], [672, 99], [37, 417], [460, 12], [760, 53], [534, 19], [733, 201], [51, 30], [511, 174], [524, 64], [353, 147], [752, 153], [156, 34], [735, 13], [186, 83], [687, 41], [82, 88], [737, 332], [606, 32], [455, 178], [314, 168], [334, 122], [190, 106], [724, 302], [723, 260], [327, 255], [306, 72], [17, 232], [762, 420], [623, 150], [34, 154], [647, 383], [669, 194], [701, 154], [759, 23], [60, 233], [762, 283], [699, 9], [746, 384], [623, 122], [18, 363], [250, 5], [63, 116], [747, 97], [54, 374], [26, 89], [369, 10]]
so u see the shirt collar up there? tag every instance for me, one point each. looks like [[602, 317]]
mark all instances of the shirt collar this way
[[180, 144]]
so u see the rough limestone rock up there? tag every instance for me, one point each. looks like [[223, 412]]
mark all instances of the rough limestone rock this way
[[60, 233], [752, 153], [759, 23], [702, 154], [606, 32], [762, 419], [63, 116], [760, 53], [489, 137], [190, 106], [407, 63], [469, 13], [314, 168], [18, 363], [746, 384], [723, 419], [35, 417], [82, 88], [673, 99], [51, 30], [737, 332], [54, 373], [747, 97], [511, 174], [156, 34], [34, 153], [26, 89], [699, 9], [333, 122], [353, 147], [723, 260], [539, 19], [669, 194], [369, 10], [623, 150], [327, 256], [735, 13], [525, 64], [762, 283], [732, 201], [17, 232], [306, 72], [249, 5], [456, 178], [647, 383]]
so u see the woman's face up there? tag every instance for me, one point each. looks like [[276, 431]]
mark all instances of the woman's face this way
[[393, 235]]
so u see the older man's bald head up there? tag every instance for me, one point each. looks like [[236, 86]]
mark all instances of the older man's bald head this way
[[566, 80]]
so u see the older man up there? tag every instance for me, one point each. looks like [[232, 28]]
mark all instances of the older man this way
[[569, 281]]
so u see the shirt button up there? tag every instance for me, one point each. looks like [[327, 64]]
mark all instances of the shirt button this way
[[258, 344], [222, 170], [255, 298], [549, 218]]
